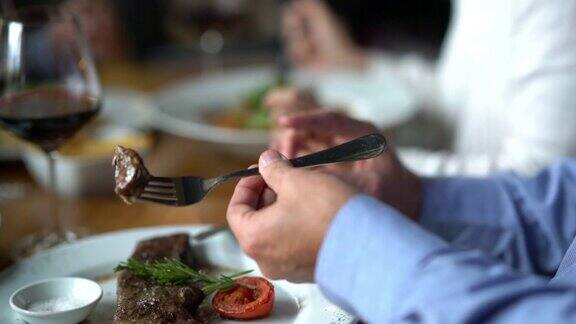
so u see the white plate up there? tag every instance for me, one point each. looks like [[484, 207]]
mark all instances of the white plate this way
[[95, 257], [182, 106]]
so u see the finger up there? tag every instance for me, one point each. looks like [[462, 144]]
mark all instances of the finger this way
[[322, 22], [289, 100], [311, 10], [298, 41], [245, 198], [281, 97], [324, 123], [291, 143], [288, 142], [292, 24], [274, 143], [270, 270], [274, 167], [302, 52], [267, 198]]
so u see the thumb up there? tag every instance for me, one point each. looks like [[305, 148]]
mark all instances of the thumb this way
[[273, 168]]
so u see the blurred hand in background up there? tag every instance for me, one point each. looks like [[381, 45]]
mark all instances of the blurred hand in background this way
[[307, 128], [317, 39], [289, 100]]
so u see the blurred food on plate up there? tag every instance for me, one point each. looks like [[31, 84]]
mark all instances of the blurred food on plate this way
[[249, 113]]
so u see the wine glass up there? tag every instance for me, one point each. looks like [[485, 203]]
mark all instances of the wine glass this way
[[49, 89]]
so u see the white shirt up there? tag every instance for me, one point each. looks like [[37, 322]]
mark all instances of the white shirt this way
[[505, 84]]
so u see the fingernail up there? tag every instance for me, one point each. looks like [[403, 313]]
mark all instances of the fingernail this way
[[270, 157]]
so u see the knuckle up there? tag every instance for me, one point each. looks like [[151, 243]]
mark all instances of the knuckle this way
[[264, 269], [231, 217], [270, 272], [250, 250], [250, 246]]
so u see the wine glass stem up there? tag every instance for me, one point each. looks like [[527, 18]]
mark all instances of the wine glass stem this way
[[53, 197]]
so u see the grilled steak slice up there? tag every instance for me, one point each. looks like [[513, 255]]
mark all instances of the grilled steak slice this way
[[175, 246], [143, 301]]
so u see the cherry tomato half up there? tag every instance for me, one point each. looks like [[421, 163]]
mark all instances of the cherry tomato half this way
[[253, 298]]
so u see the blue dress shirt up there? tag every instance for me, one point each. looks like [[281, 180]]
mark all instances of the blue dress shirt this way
[[493, 250]]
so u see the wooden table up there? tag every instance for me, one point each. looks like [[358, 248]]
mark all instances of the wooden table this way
[[170, 156]]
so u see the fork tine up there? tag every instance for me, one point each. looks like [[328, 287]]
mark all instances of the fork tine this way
[[160, 190], [161, 182], [158, 196], [160, 201]]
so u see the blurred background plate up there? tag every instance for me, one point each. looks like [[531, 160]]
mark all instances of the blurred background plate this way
[[127, 107], [379, 99], [185, 106]]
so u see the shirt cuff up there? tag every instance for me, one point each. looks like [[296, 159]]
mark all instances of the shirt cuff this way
[[369, 252]]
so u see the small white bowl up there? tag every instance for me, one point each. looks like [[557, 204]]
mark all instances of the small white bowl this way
[[66, 300]]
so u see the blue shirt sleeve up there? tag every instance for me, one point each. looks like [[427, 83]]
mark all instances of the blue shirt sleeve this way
[[528, 223], [380, 266]]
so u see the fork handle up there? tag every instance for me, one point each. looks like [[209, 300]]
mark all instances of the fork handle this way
[[362, 148]]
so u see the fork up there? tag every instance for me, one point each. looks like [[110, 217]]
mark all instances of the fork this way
[[184, 191]]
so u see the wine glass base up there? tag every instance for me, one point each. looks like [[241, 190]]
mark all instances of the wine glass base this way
[[39, 242]]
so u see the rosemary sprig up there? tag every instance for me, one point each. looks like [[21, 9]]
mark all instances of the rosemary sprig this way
[[174, 271]]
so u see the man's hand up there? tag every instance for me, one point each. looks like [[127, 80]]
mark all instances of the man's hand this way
[[281, 218], [317, 39]]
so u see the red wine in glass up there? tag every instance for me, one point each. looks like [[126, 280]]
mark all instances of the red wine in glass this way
[[49, 89], [47, 117]]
